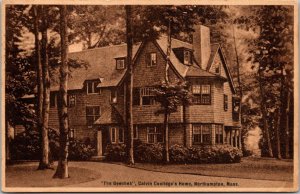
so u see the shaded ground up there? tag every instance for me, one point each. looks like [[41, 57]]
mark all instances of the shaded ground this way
[[26, 175], [249, 168]]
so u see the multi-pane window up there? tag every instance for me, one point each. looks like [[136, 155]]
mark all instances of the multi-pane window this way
[[113, 96], [219, 134], [120, 63], [225, 102], [187, 57], [53, 99], [235, 108], [202, 94], [71, 100], [154, 135], [91, 87], [202, 134], [92, 114], [113, 135], [147, 96], [121, 135], [151, 60]]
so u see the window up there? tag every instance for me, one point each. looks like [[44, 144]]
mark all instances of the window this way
[[235, 108], [151, 60], [72, 133], [187, 57], [135, 132], [217, 70], [202, 134], [154, 135], [71, 100], [120, 63], [136, 96], [147, 96], [92, 87], [53, 99], [113, 135], [113, 96], [92, 114], [205, 94], [225, 102], [219, 134], [121, 135], [202, 94]]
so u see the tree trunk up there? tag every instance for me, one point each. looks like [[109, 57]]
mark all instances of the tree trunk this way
[[277, 128], [264, 114], [7, 143], [39, 71], [44, 162], [166, 136], [62, 168], [184, 110], [168, 52], [287, 110], [130, 82]]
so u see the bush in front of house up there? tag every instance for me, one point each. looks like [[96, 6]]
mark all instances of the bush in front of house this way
[[81, 150], [116, 152], [178, 154], [150, 153]]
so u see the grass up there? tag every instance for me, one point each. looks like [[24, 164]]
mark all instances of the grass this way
[[248, 168], [27, 176]]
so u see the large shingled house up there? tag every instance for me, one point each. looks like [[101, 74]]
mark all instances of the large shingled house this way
[[96, 95]]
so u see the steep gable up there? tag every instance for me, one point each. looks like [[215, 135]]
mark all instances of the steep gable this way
[[218, 61]]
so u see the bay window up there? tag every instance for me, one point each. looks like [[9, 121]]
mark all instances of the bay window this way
[[202, 134], [202, 94], [219, 134]]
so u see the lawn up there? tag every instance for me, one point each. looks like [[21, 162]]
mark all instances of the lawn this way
[[27, 176], [248, 168]]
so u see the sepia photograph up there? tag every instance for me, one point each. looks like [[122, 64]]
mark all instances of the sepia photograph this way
[[106, 96]]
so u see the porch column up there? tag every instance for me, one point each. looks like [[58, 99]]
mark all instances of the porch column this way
[[230, 137], [240, 138], [213, 134], [99, 142]]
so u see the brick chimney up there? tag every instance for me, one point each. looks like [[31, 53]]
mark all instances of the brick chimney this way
[[201, 45]]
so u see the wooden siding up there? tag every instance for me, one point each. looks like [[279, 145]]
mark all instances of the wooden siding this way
[[150, 76]]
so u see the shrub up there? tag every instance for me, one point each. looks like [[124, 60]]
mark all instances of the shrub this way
[[79, 150], [115, 152], [178, 154], [152, 153], [214, 154]]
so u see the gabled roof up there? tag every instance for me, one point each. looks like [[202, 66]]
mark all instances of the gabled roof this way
[[109, 117], [196, 71], [102, 64], [215, 49]]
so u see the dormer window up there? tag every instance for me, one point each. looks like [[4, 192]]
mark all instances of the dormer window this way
[[91, 87], [120, 63], [187, 57]]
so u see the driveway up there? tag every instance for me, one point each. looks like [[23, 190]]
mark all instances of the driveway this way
[[99, 176]]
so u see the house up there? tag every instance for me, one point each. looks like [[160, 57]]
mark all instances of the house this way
[[97, 95]]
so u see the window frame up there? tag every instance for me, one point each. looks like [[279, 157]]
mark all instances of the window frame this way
[[124, 63], [69, 104], [53, 95], [115, 135], [93, 115], [225, 99], [94, 87], [146, 92], [201, 134], [149, 60], [189, 59], [121, 135], [157, 131], [115, 91], [199, 95]]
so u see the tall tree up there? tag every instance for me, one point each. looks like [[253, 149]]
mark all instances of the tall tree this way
[[62, 168], [44, 162], [129, 38]]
